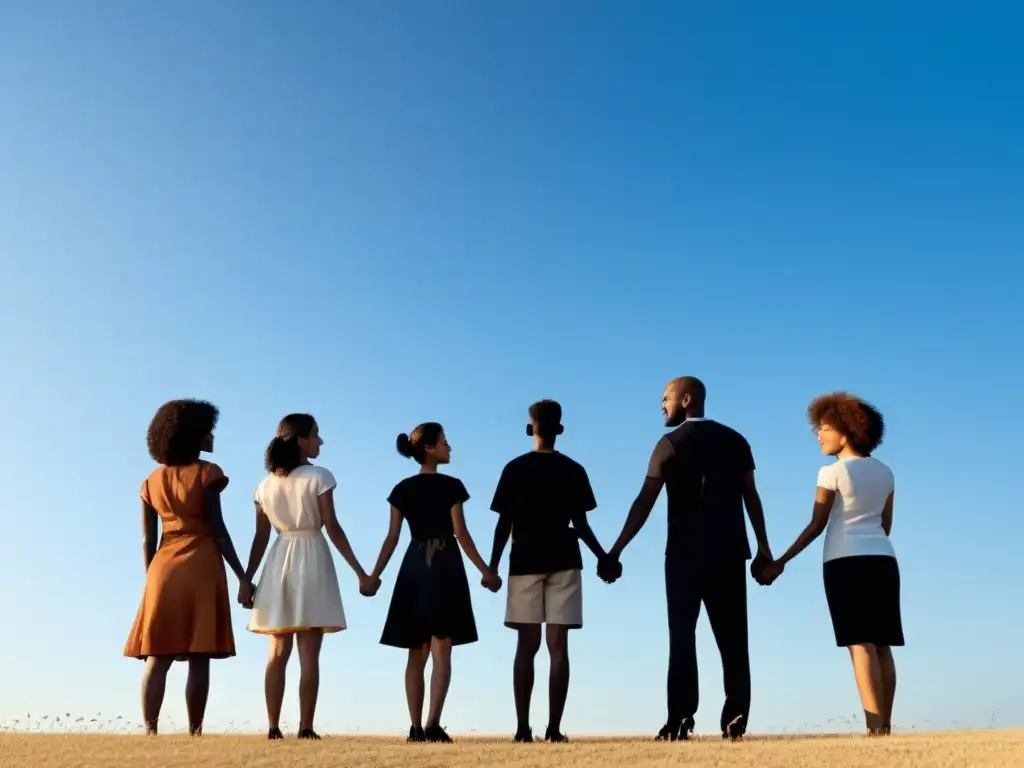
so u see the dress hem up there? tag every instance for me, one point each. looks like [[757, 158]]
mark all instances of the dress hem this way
[[291, 630]]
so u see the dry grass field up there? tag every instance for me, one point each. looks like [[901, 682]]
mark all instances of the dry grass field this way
[[976, 749]]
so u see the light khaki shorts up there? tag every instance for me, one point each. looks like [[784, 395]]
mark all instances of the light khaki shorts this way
[[552, 598]]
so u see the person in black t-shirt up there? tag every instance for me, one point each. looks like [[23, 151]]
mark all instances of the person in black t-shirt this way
[[539, 496], [431, 609], [708, 470]]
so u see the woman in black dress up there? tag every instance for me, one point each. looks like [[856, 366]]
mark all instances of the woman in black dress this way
[[431, 609]]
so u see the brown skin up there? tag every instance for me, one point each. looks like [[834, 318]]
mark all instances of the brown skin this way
[[873, 665], [681, 400], [529, 635], [197, 686], [309, 641], [438, 650]]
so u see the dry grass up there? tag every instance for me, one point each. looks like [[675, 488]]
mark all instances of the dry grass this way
[[977, 749]]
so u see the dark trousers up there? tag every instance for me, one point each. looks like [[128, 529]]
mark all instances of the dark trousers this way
[[722, 588]]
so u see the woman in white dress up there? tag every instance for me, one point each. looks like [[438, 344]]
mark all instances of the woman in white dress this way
[[298, 595]]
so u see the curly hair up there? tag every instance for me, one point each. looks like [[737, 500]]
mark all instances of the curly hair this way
[[858, 421], [177, 431]]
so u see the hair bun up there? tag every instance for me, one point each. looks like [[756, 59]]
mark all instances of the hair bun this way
[[405, 446]]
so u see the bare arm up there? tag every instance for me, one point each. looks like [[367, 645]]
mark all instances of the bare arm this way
[[638, 514], [755, 512], [502, 532], [887, 514], [215, 519], [149, 534], [465, 540], [819, 519], [390, 542], [259, 542], [586, 534], [325, 501]]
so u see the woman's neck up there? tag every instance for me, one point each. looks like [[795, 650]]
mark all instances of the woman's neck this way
[[428, 469], [849, 453]]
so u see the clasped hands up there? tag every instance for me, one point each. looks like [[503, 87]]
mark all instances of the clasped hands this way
[[764, 568], [246, 593], [491, 580], [369, 584], [609, 569]]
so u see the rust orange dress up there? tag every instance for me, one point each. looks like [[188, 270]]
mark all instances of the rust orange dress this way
[[185, 609]]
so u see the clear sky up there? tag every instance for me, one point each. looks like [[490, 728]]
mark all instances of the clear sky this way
[[386, 213]]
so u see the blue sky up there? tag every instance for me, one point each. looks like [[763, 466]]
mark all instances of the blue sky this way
[[386, 213]]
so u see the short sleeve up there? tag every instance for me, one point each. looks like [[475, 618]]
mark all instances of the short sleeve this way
[[585, 501], [663, 451], [395, 498], [500, 502], [746, 457], [827, 478], [144, 492], [459, 493], [324, 481], [213, 477]]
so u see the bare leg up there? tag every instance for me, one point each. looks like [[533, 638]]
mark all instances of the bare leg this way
[[197, 690], [522, 672], [868, 671], [440, 677], [558, 682], [888, 664], [415, 688], [310, 643], [154, 681], [274, 680]]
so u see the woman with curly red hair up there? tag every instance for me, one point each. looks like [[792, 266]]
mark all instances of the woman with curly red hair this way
[[853, 507]]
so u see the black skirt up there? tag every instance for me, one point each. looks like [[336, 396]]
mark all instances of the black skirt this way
[[863, 594], [431, 597]]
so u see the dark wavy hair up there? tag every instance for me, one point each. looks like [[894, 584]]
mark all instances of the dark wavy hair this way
[[414, 445], [283, 453], [177, 430], [858, 421]]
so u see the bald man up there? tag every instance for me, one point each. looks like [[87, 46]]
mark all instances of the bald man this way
[[708, 469]]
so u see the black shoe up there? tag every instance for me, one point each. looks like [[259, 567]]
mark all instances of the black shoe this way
[[734, 730], [671, 732], [274, 734], [554, 737], [524, 735], [416, 734], [309, 733], [437, 734]]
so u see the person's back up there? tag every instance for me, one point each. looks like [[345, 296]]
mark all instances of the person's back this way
[[862, 486], [541, 492], [704, 464], [290, 501]]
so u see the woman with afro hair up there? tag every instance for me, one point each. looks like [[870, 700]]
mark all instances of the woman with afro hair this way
[[853, 506], [185, 613]]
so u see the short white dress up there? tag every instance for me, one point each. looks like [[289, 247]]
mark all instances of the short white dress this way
[[298, 589]]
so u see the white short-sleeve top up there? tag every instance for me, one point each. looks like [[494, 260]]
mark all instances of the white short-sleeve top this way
[[290, 501], [862, 486]]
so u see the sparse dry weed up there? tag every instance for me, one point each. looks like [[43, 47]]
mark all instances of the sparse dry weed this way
[[976, 749]]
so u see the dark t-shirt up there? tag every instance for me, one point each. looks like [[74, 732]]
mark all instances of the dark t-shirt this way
[[541, 493], [426, 501], [703, 464]]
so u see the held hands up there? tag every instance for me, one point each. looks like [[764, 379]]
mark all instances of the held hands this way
[[246, 593], [764, 568], [368, 585], [609, 569], [491, 580]]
